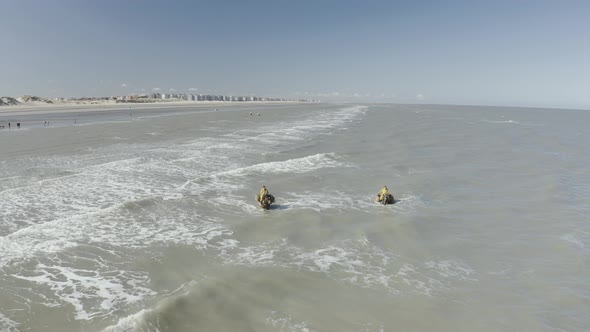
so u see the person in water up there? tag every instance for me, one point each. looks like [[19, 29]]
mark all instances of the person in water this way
[[383, 193], [263, 193]]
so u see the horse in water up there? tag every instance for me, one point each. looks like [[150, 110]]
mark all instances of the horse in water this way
[[386, 199], [266, 201]]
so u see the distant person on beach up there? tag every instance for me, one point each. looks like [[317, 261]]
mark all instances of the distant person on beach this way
[[9, 125], [18, 125]]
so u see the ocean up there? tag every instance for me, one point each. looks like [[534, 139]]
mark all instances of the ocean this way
[[146, 220]]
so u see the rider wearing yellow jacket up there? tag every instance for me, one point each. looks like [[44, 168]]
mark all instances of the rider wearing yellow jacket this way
[[383, 193], [263, 193]]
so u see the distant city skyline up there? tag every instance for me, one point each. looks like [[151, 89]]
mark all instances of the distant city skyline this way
[[504, 53]]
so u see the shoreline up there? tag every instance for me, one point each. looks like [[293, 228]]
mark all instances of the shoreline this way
[[27, 110]]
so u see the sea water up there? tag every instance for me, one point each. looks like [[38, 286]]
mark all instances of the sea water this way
[[148, 221]]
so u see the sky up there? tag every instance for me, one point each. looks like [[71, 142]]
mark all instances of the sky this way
[[507, 53]]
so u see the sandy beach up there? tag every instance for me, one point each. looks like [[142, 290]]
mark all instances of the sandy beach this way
[[70, 107]]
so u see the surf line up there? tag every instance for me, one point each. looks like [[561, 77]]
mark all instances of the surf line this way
[[296, 165]]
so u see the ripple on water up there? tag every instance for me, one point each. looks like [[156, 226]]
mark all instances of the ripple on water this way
[[356, 262]]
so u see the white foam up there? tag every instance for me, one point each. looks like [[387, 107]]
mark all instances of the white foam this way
[[284, 322], [133, 322], [326, 258], [372, 328], [92, 188], [234, 202], [66, 196], [580, 240], [7, 324], [357, 262], [451, 269], [571, 238], [295, 166], [408, 203], [113, 226], [129, 323], [322, 201], [502, 121], [92, 293], [410, 276], [317, 123]]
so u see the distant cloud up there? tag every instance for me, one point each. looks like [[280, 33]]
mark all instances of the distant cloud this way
[[173, 90], [420, 96], [193, 89], [123, 85], [156, 89]]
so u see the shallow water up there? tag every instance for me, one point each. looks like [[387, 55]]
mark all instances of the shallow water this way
[[148, 222]]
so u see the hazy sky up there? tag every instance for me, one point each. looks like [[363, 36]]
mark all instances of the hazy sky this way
[[534, 53]]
